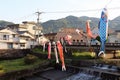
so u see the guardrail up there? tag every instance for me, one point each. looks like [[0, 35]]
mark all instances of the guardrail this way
[[108, 46]]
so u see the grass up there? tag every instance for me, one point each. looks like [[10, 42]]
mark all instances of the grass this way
[[75, 55], [40, 50], [18, 64], [83, 55]]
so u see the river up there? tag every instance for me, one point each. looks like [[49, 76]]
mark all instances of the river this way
[[62, 75]]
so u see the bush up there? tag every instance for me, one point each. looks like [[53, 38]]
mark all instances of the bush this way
[[29, 59], [1, 67], [83, 55], [1, 70]]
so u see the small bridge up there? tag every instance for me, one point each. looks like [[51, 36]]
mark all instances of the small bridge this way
[[109, 47]]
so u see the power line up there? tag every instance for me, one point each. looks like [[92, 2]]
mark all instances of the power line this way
[[108, 3], [60, 12], [78, 11]]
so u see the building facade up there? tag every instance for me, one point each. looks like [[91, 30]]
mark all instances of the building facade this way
[[9, 39], [75, 37], [20, 36]]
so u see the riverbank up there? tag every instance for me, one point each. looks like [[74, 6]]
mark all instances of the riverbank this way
[[15, 69], [18, 69]]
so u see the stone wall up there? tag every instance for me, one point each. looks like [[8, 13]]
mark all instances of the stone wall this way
[[13, 53]]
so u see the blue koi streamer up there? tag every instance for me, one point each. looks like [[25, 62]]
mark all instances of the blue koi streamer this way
[[103, 30]]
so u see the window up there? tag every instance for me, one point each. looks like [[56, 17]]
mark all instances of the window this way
[[27, 39], [16, 43], [5, 37], [22, 45], [34, 27], [13, 35], [73, 40]]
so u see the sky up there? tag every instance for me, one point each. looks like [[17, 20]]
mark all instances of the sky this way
[[18, 11]]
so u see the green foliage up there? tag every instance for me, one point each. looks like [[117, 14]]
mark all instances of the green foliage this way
[[4, 23], [70, 21], [1, 70], [83, 55], [29, 59], [1, 67], [18, 64], [39, 50], [98, 38]]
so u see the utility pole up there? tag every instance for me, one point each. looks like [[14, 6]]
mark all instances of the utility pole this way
[[38, 15], [38, 26]]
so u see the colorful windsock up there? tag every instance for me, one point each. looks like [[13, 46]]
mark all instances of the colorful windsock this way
[[60, 50], [88, 30], [55, 51], [103, 30], [68, 39], [49, 50], [43, 47]]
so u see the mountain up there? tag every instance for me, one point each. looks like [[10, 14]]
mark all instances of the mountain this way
[[115, 23], [77, 22], [71, 21], [4, 23]]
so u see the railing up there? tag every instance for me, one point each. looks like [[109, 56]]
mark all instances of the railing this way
[[108, 46]]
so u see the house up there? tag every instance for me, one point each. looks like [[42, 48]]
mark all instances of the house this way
[[27, 40], [9, 39], [75, 37], [42, 40], [32, 27], [20, 36], [29, 33], [80, 38], [51, 36], [114, 37]]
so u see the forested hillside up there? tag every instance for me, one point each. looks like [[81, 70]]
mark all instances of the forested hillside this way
[[77, 22]]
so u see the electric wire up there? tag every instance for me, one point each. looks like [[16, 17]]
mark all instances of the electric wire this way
[[73, 11]]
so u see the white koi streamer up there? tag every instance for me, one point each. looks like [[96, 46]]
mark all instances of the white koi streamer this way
[[55, 51], [43, 47]]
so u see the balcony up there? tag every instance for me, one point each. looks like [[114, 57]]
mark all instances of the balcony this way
[[10, 40]]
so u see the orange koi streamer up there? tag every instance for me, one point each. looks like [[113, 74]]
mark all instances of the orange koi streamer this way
[[89, 32], [60, 50]]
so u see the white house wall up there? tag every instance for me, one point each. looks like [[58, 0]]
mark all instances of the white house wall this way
[[3, 45], [29, 43], [22, 29], [30, 28], [26, 34], [16, 46], [9, 39], [15, 40]]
